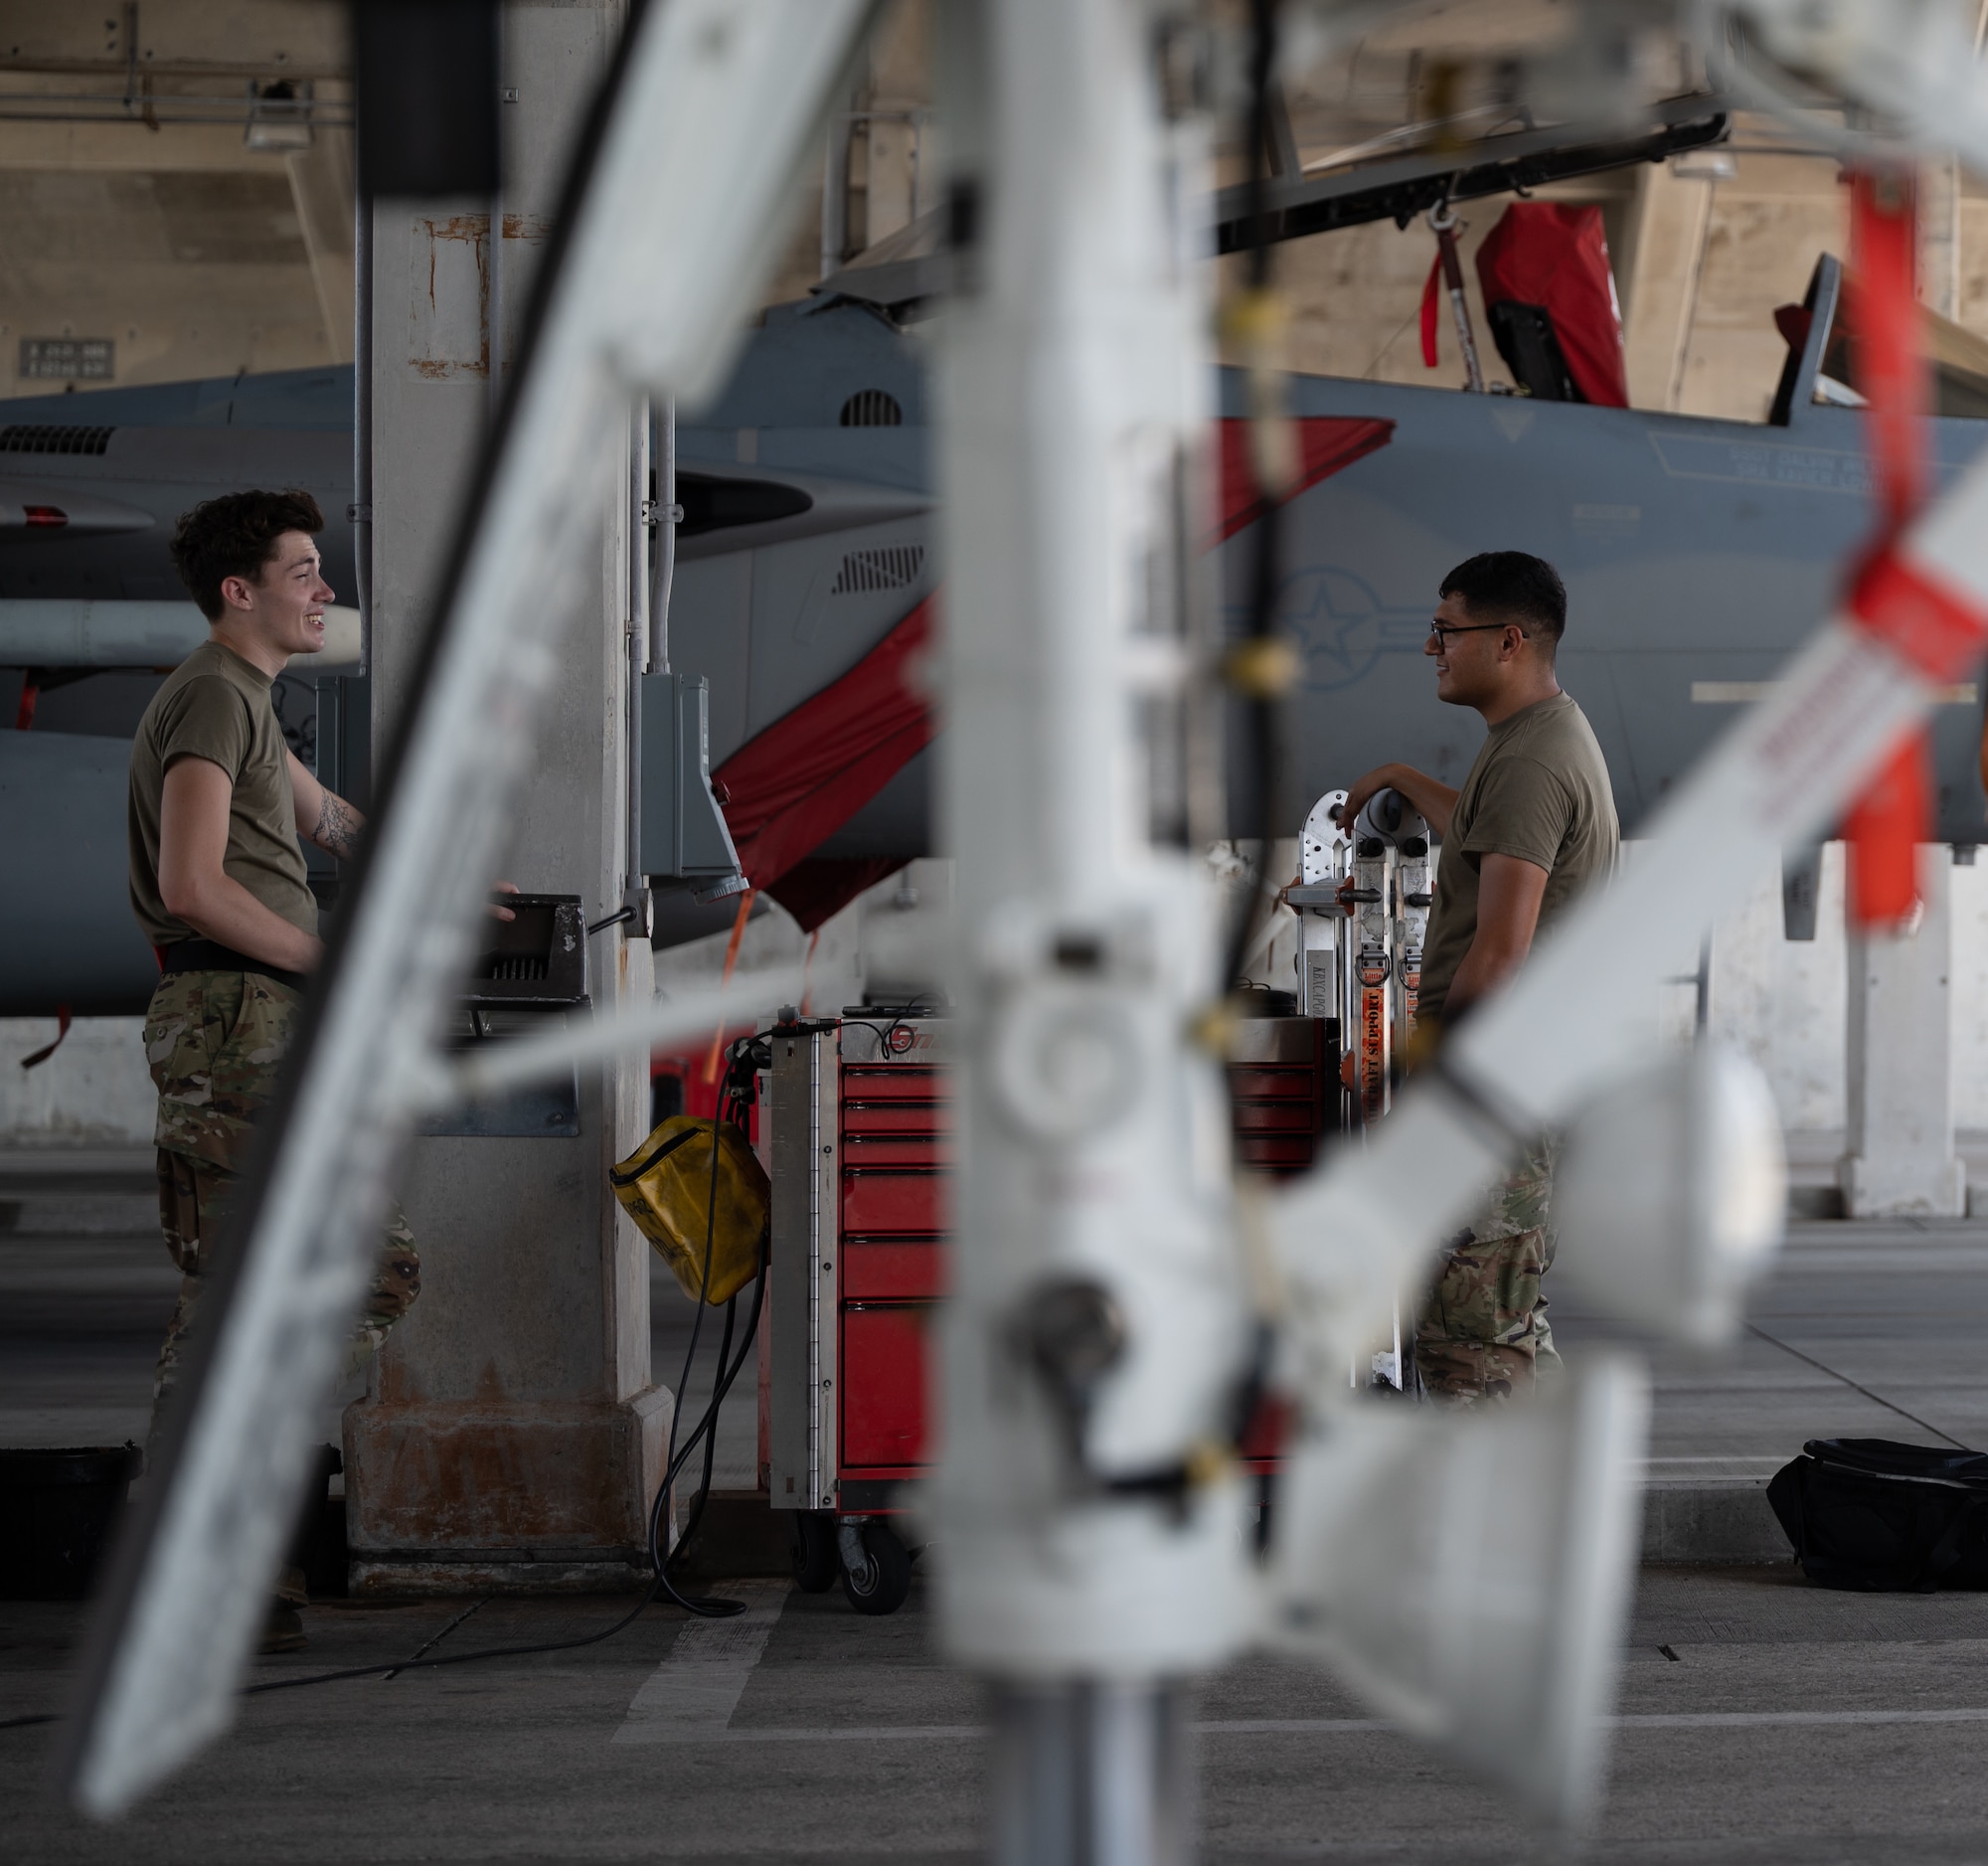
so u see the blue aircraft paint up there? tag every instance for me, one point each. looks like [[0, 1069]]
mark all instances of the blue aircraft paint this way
[[1694, 551], [291, 399]]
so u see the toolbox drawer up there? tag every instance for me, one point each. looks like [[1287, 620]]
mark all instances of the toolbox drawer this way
[[891, 1082], [883, 1385], [873, 1270], [1274, 1085], [1275, 1117], [925, 1119], [1282, 1154], [894, 1200], [927, 1152]]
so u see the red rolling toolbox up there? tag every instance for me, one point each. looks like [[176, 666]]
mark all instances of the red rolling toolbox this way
[[861, 1162], [1283, 1082]]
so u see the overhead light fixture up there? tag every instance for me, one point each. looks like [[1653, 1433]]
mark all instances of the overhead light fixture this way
[[1705, 165], [278, 119]]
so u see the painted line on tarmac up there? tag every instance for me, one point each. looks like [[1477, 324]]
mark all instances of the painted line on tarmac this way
[[1742, 1720], [841, 1733], [1293, 1726], [1640, 1719], [691, 1695]]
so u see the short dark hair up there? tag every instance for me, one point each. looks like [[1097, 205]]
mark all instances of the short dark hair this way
[[1511, 586], [235, 536]]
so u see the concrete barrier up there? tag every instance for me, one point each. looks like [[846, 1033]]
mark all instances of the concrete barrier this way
[[1718, 1520]]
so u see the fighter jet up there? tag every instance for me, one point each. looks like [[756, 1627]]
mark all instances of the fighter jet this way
[[1697, 555], [91, 617]]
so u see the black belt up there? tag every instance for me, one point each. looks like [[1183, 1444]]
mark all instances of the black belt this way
[[210, 955]]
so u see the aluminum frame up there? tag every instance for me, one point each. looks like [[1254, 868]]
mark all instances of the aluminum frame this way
[[807, 1178]]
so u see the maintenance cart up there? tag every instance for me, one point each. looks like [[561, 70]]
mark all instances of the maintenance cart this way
[[861, 1161]]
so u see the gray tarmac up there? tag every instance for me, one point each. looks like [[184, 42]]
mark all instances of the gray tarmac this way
[[1761, 1719]]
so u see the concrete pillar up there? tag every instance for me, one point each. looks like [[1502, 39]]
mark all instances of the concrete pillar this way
[[511, 1436], [1899, 1159]]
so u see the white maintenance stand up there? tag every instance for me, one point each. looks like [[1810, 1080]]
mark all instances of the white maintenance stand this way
[[1325, 950], [1363, 908], [1098, 1327]]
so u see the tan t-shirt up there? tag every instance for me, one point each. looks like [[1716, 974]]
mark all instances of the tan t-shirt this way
[[216, 706], [1539, 790]]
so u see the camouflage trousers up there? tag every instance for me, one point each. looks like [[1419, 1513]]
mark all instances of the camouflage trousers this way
[[1483, 1333], [214, 1041]]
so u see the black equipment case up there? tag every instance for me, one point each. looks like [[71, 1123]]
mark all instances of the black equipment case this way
[[1877, 1517]]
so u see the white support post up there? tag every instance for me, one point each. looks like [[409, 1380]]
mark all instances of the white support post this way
[[1096, 1326], [1899, 1160]]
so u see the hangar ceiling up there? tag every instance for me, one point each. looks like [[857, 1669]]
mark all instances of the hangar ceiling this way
[[152, 231], [154, 227], [1703, 247], [153, 223]]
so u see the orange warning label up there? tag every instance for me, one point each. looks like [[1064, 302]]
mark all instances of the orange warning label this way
[[1373, 1053]]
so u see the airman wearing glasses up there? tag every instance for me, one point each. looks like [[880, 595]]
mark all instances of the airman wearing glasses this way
[[1533, 827]]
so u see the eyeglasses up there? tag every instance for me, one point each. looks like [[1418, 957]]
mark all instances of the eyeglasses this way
[[1440, 632]]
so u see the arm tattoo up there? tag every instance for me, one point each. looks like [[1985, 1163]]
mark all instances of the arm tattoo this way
[[338, 826]]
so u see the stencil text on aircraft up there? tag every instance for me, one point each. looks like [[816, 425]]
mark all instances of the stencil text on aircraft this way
[[1763, 463]]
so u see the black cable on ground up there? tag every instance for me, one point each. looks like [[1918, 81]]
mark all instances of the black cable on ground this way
[[733, 1106], [706, 1431], [696, 1514], [706, 1606], [727, 1375]]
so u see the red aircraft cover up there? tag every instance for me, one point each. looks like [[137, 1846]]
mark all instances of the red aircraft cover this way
[[1557, 256], [1326, 443], [789, 789]]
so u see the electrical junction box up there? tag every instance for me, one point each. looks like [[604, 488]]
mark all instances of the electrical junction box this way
[[684, 833], [536, 959]]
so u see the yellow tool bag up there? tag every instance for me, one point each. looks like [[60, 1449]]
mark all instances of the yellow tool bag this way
[[665, 1184]]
